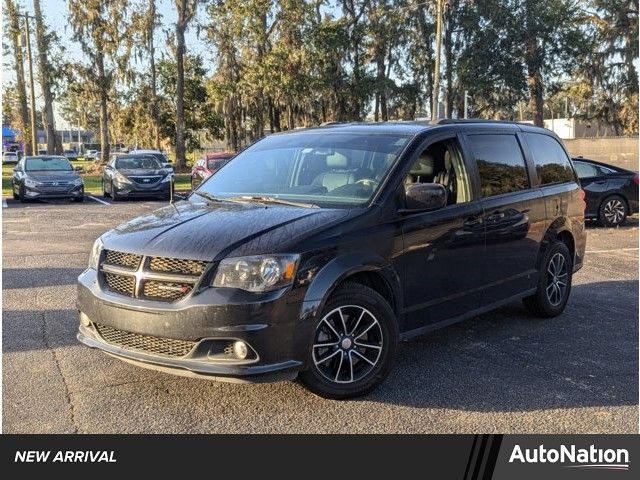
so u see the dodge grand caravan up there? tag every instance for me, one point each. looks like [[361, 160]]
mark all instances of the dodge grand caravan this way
[[312, 253]]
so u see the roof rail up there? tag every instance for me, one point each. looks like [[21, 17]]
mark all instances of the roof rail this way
[[449, 121]]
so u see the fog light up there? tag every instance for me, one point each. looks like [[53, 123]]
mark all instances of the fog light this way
[[84, 319], [240, 350]]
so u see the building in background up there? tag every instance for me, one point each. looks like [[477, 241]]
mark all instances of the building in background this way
[[571, 128]]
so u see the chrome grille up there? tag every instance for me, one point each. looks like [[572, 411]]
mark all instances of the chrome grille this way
[[177, 265], [123, 259], [151, 278], [146, 180], [167, 291], [123, 284], [145, 343]]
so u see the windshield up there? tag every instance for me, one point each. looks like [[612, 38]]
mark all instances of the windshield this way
[[330, 169], [36, 164], [131, 163]]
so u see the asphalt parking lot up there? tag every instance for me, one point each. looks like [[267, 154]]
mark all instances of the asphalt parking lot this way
[[501, 372]]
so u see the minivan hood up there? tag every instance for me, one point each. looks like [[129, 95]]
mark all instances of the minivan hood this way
[[203, 231]]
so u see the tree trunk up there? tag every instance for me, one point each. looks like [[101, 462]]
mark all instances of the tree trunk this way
[[534, 81], [154, 84], [104, 114], [45, 79], [436, 75], [14, 26], [448, 70], [181, 26]]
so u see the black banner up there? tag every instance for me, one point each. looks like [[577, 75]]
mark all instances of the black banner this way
[[460, 457]]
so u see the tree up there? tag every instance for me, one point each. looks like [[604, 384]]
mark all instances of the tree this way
[[43, 39], [151, 22], [186, 11], [101, 28], [14, 30]]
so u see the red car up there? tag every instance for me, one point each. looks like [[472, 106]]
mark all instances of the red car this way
[[207, 166]]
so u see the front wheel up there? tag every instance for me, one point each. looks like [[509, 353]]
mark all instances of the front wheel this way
[[114, 193], [613, 211], [554, 284], [353, 346]]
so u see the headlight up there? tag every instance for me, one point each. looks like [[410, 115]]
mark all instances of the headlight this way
[[31, 183], [77, 182], [167, 178], [94, 258], [121, 178], [259, 273]]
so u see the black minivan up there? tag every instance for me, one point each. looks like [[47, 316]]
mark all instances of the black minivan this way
[[313, 252]]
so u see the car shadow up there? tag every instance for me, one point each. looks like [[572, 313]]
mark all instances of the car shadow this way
[[509, 360], [39, 277], [503, 361], [629, 224]]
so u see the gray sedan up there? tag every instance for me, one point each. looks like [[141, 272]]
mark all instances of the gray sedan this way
[[46, 176]]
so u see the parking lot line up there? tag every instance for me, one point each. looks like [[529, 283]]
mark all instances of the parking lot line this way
[[4, 203], [97, 199]]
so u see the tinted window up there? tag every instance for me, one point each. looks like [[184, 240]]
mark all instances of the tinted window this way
[[500, 164], [585, 170], [551, 161]]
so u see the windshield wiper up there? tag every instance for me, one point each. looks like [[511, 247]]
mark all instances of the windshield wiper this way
[[268, 199], [211, 198]]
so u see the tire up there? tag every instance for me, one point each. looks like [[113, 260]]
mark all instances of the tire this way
[[359, 369], [613, 211], [550, 301], [21, 195], [13, 191], [104, 191], [114, 193]]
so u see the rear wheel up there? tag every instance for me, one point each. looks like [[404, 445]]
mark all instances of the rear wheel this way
[[554, 284], [613, 211], [353, 344]]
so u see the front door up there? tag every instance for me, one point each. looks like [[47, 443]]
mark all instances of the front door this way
[[443, 249]]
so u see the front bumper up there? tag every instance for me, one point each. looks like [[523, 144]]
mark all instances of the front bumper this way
[[138, 190], [45, 193], [269, 323]]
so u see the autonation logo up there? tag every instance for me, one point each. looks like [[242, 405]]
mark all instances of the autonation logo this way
[[573, 457]]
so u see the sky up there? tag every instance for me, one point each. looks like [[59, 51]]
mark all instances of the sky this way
[[55, 15]]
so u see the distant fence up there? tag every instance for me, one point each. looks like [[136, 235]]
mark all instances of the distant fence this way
[[619, 151]]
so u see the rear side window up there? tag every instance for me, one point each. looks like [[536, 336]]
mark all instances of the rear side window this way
[[500, 163], [551, 161], [585, 170]]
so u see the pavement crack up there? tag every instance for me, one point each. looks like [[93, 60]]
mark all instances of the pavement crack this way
[[56, 360]]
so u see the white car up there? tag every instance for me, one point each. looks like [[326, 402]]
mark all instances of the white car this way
[[155, 153], [10, 157], [90, 155]]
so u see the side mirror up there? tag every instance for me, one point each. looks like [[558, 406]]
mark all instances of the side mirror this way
[[425, 196], [78, 168], [16, 169]]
